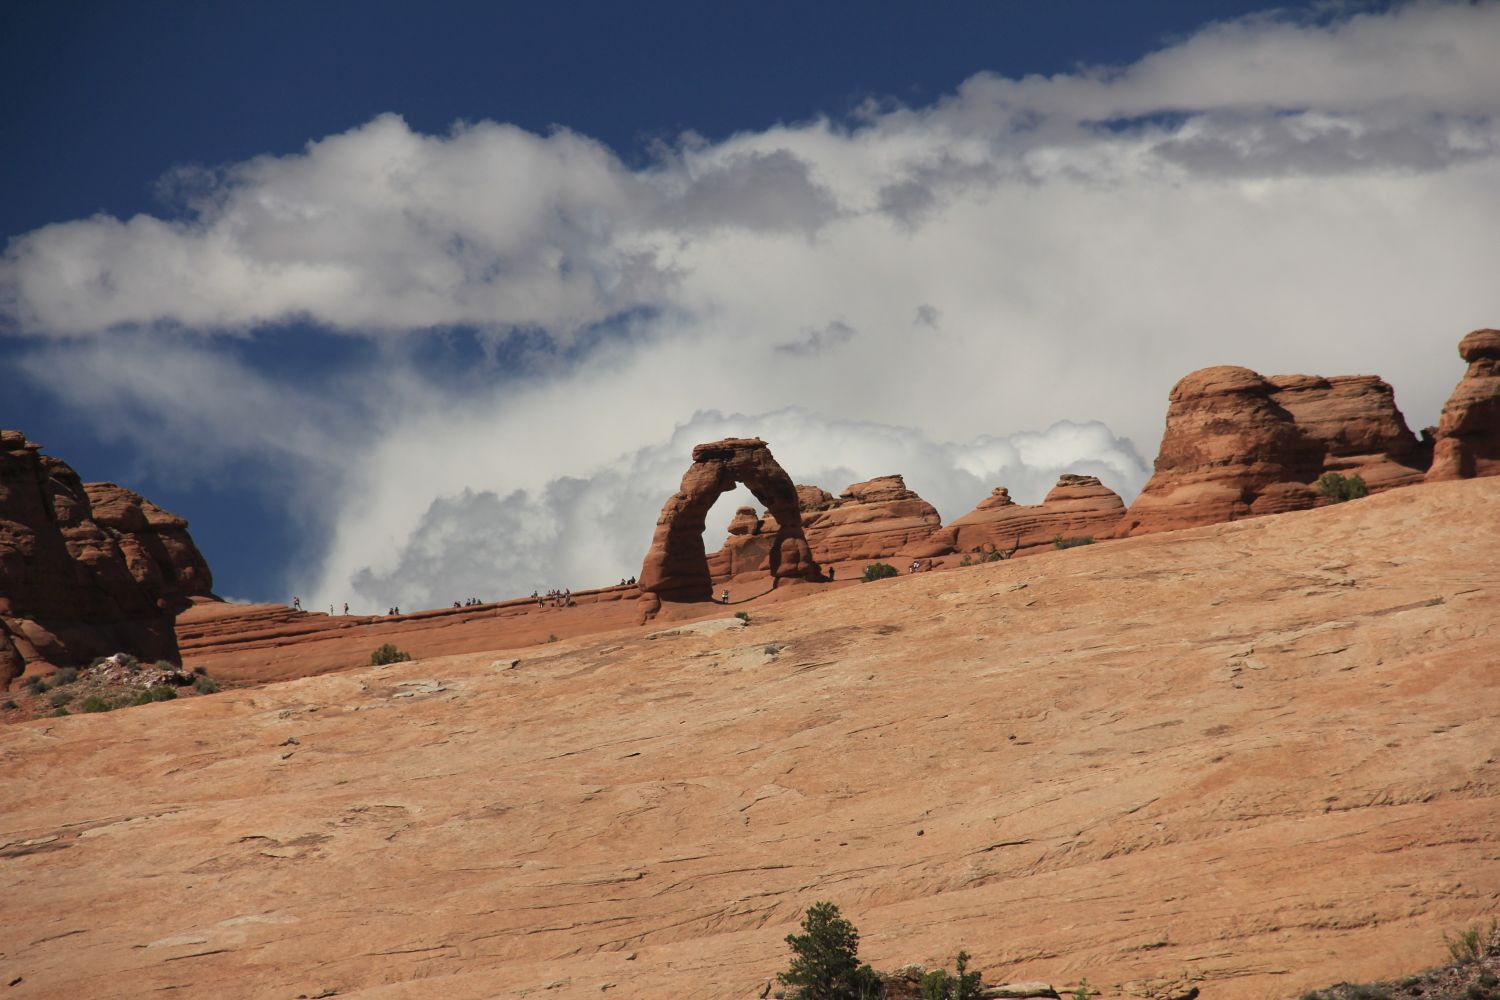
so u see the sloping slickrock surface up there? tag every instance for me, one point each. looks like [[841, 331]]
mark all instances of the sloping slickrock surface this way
[[1261, 753], [1077, 507], [269, 642], [1468, 434], [1239, 444]]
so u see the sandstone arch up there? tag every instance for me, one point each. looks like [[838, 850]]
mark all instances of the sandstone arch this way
[[676, 566]]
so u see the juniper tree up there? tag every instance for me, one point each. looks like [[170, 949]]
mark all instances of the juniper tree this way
[[825, 959]]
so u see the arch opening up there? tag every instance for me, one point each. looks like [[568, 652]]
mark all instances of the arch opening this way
[[676, 566]]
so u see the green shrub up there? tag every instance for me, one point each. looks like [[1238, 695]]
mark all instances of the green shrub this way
[[130, 662], [201, 671], [166, 665], [743, 616], [34, 684], [1059, 542], [9, 706], [940, 985], [67, 675], [878, 571], [57, 699], [825, 959], [388, 653], [1081, 991], [1338, 489], [57, 713], [96, 661], [160, 692], [94, 703], [966, 561], [205, 685], [552, 637], [1473, 944]]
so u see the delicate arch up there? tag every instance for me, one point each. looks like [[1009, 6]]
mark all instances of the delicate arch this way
[[676, 566]]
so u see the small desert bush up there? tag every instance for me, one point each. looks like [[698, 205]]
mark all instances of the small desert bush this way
[[1474, 944], [878, 571], [201, 671], [939, 984], [1338, 489], [205, 685], [9, 706], [34, 684], [743, 616], [160, 692], [167, 665], [966, 561], [57, 713], [94, 703], [1059, 542], [57, 699], [67, 675], [388, 653]]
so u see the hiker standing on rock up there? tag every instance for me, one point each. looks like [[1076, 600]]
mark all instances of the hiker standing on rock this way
[[296, 604]]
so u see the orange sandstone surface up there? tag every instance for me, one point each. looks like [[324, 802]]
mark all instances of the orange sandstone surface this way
[[1262, 753]]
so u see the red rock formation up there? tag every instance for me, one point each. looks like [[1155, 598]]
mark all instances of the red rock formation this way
[[1077, 507], [676, 565], [1468, 435], [155, 542], [1238, 444], [747, 550], [876, 519], [67, 592]]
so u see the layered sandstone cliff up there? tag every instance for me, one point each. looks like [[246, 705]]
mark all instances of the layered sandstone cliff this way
[[1468, 435], [1238, 444], [75, 585]]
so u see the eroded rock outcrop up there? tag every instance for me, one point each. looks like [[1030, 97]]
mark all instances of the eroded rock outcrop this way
[[158, 550], [69, 589], [1467, 442], [876, 519], [1077, 507], [1238, 444], [676, 565]]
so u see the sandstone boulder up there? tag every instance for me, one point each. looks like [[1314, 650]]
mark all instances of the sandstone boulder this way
[[1077, 507], [1238, 444], [1467, 442], [676, 566]]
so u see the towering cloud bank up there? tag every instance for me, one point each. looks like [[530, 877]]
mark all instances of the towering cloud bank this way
[[1273, 193]]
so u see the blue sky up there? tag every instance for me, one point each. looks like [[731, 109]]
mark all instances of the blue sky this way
[[401, 305]]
